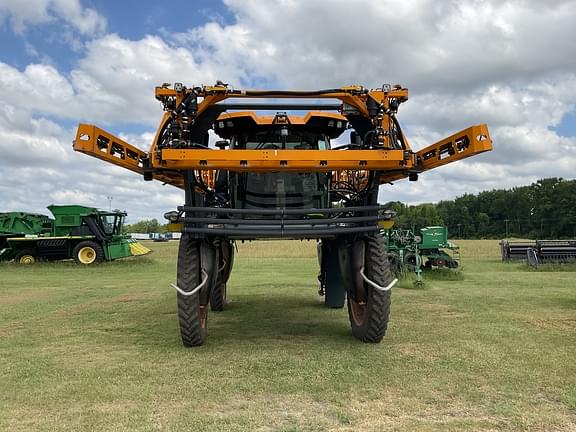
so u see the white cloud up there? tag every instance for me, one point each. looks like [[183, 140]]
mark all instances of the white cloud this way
[[114, 82], [38, 168], [21, 14], [509, 64], [423, 44]]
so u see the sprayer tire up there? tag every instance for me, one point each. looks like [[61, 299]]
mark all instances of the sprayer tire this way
[[218, 301], [218, 296], [369, 319], [192, 316]]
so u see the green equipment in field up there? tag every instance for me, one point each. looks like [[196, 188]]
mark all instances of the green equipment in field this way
[[436, 250], [85, 234], [431, 249]]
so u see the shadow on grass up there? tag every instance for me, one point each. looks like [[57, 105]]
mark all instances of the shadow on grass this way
[[255, 319]]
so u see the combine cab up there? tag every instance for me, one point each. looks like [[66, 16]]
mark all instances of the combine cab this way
[[83, 233], [281, 176]]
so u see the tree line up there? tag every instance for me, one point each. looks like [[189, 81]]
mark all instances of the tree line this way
[[545, 209], [146, 226]]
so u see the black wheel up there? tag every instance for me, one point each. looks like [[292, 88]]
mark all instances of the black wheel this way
[[369, 316], [218, 301], [440, 262], [191, 314], [452, 264], [410, 261], [88, 252], [26, 256], [218, 296]]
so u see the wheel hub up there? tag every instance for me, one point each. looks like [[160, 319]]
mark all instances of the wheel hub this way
[[27, 259], [87, 255]]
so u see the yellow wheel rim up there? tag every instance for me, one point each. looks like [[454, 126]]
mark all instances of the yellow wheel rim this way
[[87, 255], [26, 259]]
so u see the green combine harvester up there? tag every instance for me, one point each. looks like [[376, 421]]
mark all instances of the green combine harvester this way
[[85, 234]]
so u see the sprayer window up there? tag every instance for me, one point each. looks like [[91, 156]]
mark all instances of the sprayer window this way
[[275, 139]]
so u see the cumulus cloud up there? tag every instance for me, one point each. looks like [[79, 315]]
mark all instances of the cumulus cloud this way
[[21, 14], [38, 168], [113, 82], [423, 43], [509, 64]]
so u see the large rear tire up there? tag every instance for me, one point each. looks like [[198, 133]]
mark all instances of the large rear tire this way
[[87, 253], [369, 317], [192, 315]]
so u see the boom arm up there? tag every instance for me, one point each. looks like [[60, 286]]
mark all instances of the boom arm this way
[[191, 112]]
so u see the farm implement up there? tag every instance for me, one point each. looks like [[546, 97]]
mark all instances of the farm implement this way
[[409, 252], [539, 251], [281, 176]]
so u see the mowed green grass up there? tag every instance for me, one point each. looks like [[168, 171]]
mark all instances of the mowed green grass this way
[[98, 349]]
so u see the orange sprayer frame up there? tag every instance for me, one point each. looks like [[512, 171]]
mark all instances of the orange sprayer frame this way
[[167, 164]]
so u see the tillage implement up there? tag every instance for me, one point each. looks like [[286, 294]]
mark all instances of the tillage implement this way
[[277, 175]]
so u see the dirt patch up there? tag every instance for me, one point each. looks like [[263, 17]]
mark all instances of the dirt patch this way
[[565, 324], [21, 297], [411, 349], [394, 412], [441, 310], [125, 298], [11, 328], [273, 412]]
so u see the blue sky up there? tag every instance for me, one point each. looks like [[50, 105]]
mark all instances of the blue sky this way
[[512, 66], [131, 19], [567, 126]]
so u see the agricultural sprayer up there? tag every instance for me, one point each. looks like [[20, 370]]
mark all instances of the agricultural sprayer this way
[[281, 176]]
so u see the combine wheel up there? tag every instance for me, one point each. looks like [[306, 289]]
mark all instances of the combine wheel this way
[[88, 252], [26, 256], [369, 317], [191, 314]]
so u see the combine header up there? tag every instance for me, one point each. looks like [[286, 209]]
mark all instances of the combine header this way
[[280, 176]]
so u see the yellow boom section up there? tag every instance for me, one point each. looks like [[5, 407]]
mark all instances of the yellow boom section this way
[[468, 142], [93, 141], [96, 142]]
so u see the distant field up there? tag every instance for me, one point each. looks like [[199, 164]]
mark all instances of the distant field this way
[[97, 349]]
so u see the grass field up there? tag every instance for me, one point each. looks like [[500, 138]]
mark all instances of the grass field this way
[[97, 349]]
